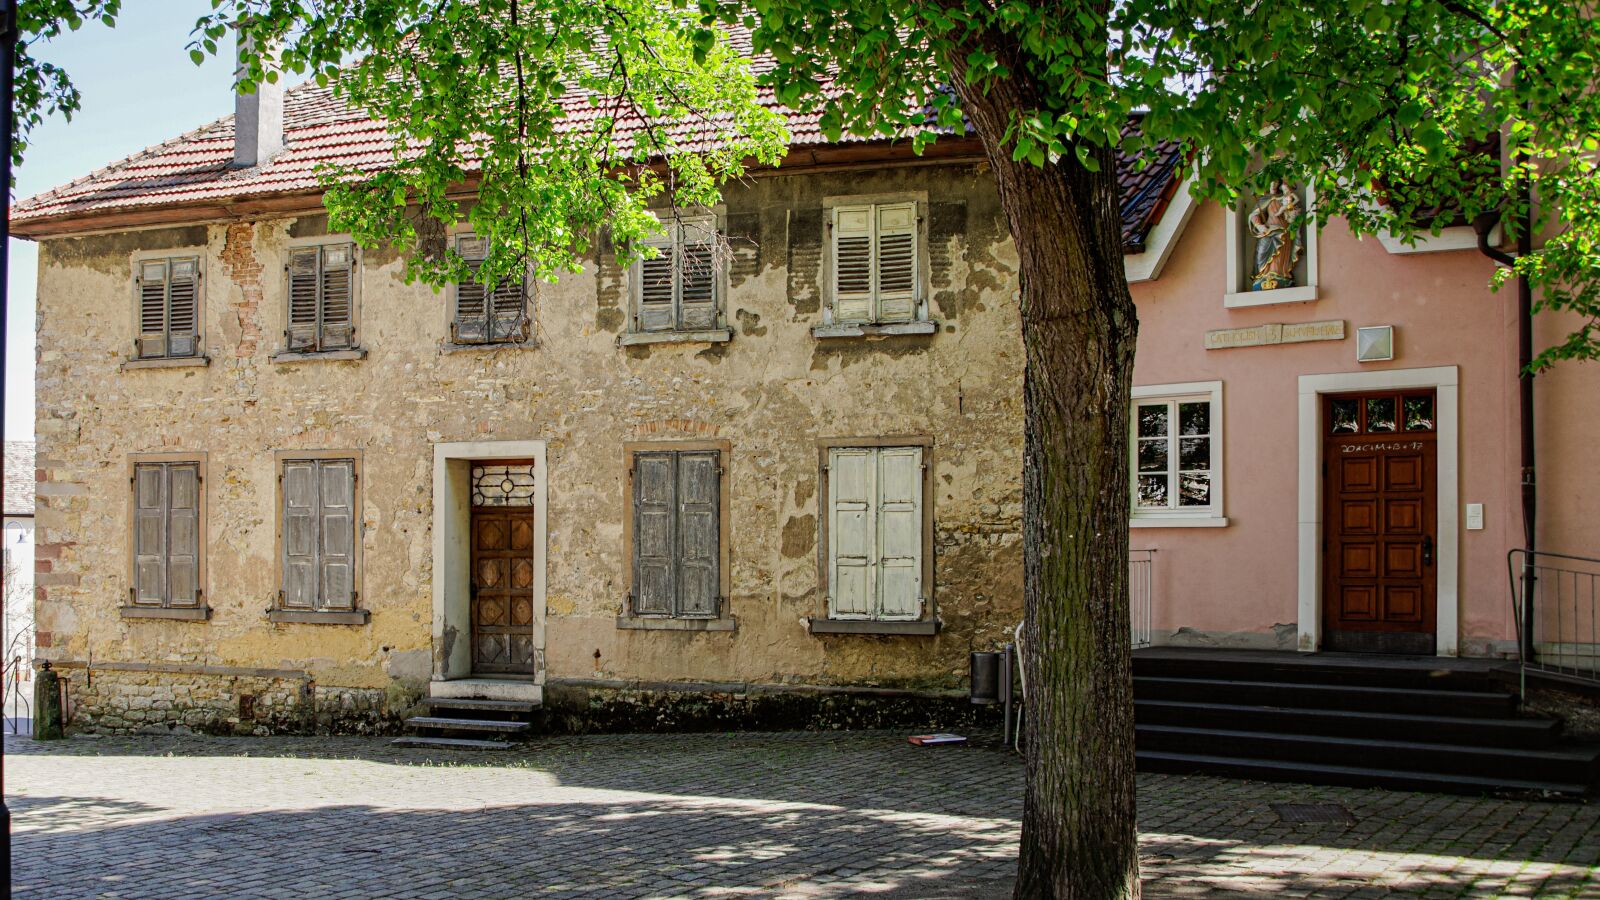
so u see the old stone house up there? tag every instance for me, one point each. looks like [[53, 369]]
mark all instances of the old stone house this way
[[278, 485]]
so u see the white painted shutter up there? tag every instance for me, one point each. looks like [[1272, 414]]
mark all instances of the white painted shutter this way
[[150, 534], [654, 511], [338, 286], [299, 536], [896, 262], [852, 544], [699, 559], [899, 533], [304, 298], [697, 275], [336, 527], [657, 310], [472, 311], [183, 538], [852, 264]]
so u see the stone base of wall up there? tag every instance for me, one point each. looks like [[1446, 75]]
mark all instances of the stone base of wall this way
[[108, 701], [580, 707]]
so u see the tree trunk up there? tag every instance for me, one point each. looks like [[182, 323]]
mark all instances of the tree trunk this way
[[1079, 838]]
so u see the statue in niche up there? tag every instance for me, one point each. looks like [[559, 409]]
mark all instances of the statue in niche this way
[[1278, 226]]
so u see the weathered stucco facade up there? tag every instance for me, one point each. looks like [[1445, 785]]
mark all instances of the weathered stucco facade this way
[[772, 392]]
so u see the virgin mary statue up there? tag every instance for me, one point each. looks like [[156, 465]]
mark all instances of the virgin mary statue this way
[[1276, 224]]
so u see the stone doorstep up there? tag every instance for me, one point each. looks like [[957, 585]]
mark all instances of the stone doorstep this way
[[487, 689]]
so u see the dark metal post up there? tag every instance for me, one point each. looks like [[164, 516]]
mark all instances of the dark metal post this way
[[8, 49]]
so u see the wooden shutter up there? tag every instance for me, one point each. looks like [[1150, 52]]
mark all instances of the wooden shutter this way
[[699, 553], [338, 300], [852, 264], [657, 309], [896, 262], [472, 308], [336, 532], [299, 538], [183, 307], [150, 534], [899, 514], [697, 275], [654, 512], [304, 298], [183, 534], [852, 545], [152, 284], [508, 310]]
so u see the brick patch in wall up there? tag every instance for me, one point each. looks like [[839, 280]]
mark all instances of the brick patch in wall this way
[[239, 255]]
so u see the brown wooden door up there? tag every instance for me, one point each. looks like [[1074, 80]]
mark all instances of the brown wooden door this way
[[502, 591], [1379, 522]]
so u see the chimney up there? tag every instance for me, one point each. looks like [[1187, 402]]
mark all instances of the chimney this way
[[257, 119]]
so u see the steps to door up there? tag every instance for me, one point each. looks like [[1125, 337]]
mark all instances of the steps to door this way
[[468, 723], [1412, 724]]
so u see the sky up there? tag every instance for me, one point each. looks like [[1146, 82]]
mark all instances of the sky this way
[[139, 88]]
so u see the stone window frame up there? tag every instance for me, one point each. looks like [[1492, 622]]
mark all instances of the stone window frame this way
[[724, 621], [200, 358], [356, 350], [530, 309], [924, 322], [201, 611], [1237, 293], [357, 614], [723, 332], [1212, 516], [929, 623]]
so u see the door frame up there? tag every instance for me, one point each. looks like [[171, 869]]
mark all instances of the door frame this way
[[1445, 381], [452, 569]]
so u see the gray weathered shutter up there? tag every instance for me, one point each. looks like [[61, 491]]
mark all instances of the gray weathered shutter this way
[[183, 307], [304, 298], [299, 538], [337, 528], [852, 264], [654, 509], [508, 310], [852, 531], [697, 275], [338, 300], [472, 311], [657, 289], [699, 556], [897, 262], [150, 534], [899, 533], [183, 534], [152, 284]]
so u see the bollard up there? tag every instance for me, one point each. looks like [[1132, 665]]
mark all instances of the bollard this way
[[47, 706]]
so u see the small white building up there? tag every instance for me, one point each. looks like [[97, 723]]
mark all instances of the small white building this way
[[16, 638]]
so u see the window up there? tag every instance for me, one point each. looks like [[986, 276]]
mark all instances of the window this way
[[1177, 454], [321, 299], [678, 498], [876, 276], [484, 315], [317, 533], [679, 290], [877, 526], [168, 521], [169, 307]]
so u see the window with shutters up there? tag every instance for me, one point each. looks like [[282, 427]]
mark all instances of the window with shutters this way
[[875, 259], [487, 314], [876, 530], [319, 532], [321, 315], [1176, 455], [167, 504], [676, 531], [679, 290], [167, 304]]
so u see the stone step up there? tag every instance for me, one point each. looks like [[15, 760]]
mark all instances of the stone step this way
[[449, 743], [453, 724], [505, 706]]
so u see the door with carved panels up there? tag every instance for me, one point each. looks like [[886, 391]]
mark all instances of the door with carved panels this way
[[1380, 488], [504, 557]]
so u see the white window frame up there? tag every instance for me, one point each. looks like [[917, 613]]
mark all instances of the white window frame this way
[[1177, 517]]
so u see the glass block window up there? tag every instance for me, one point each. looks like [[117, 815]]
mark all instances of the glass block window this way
[[503, 484]]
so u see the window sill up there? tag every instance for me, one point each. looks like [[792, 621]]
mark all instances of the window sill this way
[[182, 614], [166, 362], [294, 356], [712, 336], [869, 626], [1178, 522], [319, 617], [1301, 294], [649, 623], [863, 329], [488, 347]]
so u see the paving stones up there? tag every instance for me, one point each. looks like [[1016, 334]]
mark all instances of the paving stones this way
[[809, 816]]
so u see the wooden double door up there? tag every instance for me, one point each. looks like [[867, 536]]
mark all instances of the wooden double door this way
[[1380, 535], [504, 555]]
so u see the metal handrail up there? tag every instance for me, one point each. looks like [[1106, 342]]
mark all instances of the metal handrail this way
[[1555, 601]]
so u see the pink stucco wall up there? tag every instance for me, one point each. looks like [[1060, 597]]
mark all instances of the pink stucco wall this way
[[1238, 585]]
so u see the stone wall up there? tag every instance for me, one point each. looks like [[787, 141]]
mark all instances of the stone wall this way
[[773, 391]]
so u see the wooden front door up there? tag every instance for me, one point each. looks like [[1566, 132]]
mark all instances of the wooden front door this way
[[503, 559], [1379, 522]]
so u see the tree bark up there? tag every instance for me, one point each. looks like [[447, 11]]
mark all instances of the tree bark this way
[[1079, 836]]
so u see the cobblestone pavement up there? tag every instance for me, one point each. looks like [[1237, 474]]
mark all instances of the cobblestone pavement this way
[[707, 816]]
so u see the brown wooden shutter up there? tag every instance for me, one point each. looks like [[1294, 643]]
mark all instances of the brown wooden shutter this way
[[472, 311], [150, 535], [183, 307], [699, 561], [338, 297], [183, 534], [654, 512], [336, 527], [152, 285], [299, 538], [697, 276], [896, 262], [304, 298]]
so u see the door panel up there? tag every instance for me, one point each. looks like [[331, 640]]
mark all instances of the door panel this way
[[1380, 502], [502, 591]]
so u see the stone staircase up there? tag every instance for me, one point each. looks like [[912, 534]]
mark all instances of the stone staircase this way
[[468, 724]]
